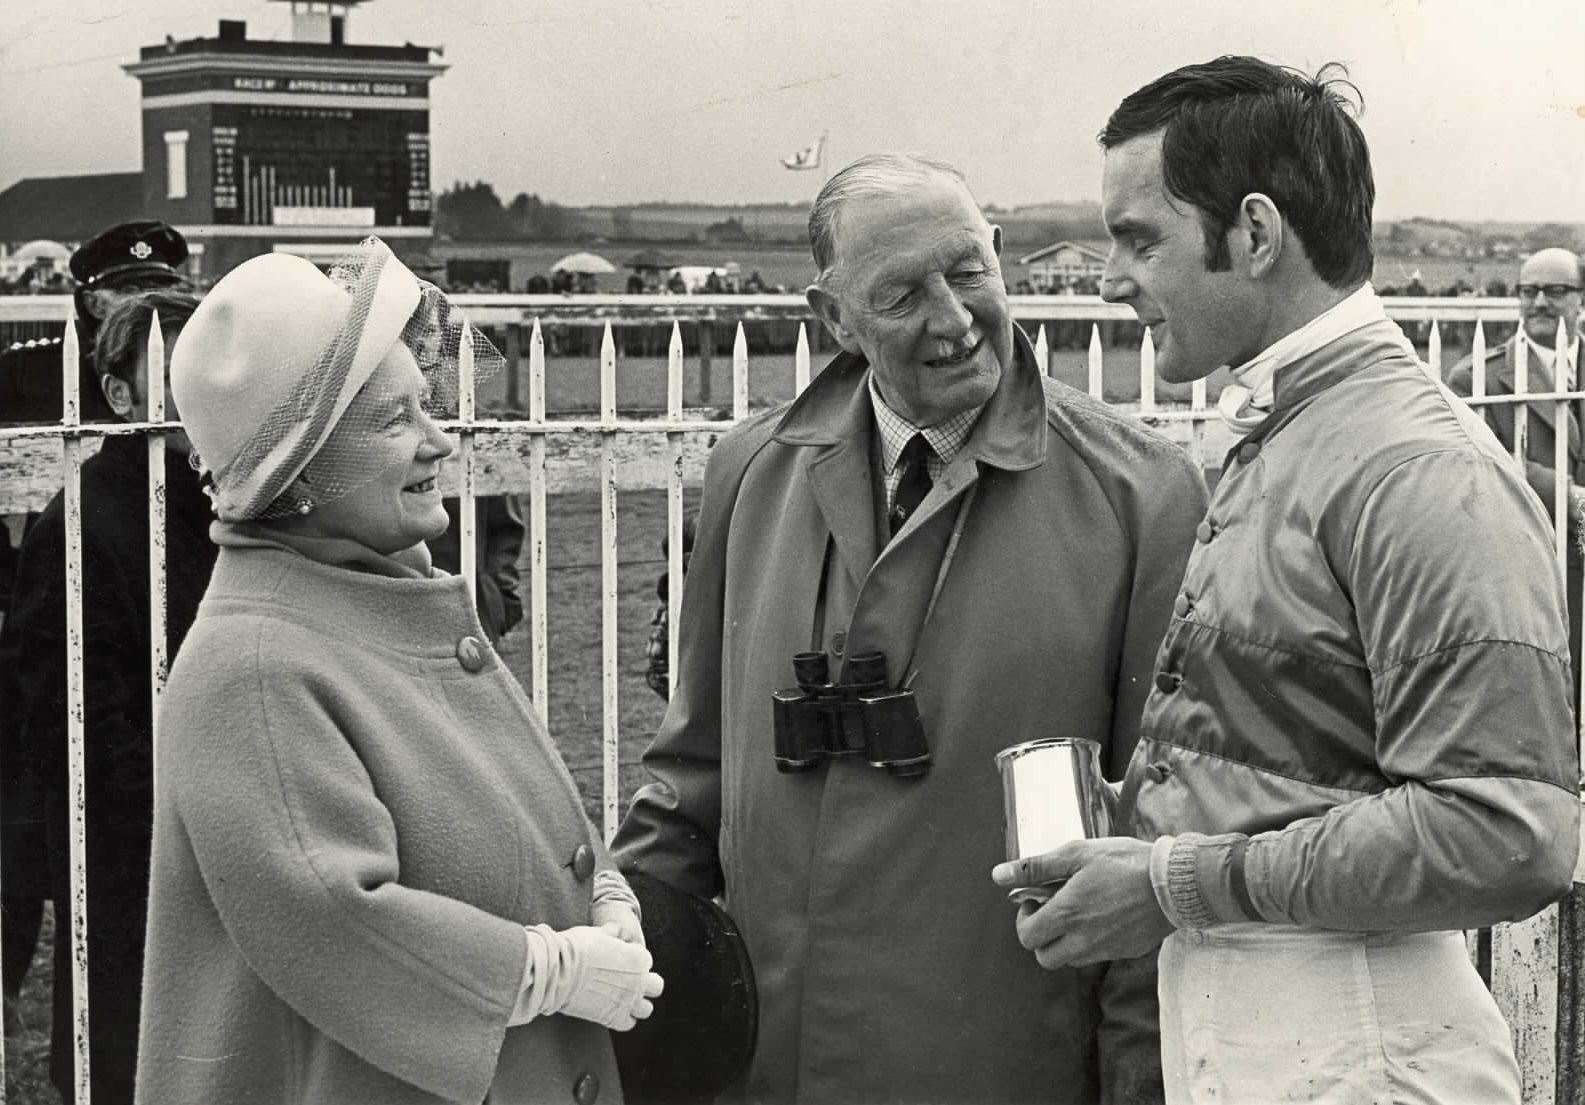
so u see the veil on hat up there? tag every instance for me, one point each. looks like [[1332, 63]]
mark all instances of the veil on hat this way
[[326, 426]]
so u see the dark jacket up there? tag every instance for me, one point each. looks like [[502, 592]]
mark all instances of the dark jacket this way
[[30, 382], [498, 531], [117, 742], [886, 961], [1540, 452]]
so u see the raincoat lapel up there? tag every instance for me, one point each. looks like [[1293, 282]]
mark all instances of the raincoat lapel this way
[[839, 479], [1538, 378], [1010, 435], [833, 414]]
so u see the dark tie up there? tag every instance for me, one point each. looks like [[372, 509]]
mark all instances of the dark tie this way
[[915, 482]]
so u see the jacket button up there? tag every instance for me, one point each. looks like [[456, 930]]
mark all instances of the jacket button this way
[[583, 862], [1158, 772], [839, 641], [1204, 532], [1247, 452], [1182, 605], [1167, 681], [471, 654], [586, 1090]]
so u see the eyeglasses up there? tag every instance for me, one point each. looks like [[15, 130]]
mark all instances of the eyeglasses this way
[[1553, 291]]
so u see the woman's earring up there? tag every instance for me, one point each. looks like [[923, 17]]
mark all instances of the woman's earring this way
[[305, 505]]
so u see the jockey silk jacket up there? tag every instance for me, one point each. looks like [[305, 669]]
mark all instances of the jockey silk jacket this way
[[1361, 711]]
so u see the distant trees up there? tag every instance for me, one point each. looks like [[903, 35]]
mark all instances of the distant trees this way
[[1550, 234], [475, 211], [729, 229]]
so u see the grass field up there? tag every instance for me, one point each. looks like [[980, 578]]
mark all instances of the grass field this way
[[572, 381], [791, 266]]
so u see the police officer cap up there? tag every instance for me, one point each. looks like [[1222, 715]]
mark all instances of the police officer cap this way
[[143, 250]]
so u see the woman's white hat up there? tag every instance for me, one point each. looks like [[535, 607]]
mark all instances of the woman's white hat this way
[[271, 360]]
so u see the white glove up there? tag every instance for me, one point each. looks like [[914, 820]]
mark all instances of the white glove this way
[[619, 919], [615, 908], [588, 973]]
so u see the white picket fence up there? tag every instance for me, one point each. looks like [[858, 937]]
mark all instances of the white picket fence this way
[[1534, 965]]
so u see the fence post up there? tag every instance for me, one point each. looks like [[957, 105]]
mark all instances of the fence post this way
[[538, 590], [1571, 996], [76, 785], [467, 535], [610, 716], [674, 510], [1525, 984]]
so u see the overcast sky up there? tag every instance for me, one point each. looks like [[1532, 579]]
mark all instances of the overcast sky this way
[[1474, 109]]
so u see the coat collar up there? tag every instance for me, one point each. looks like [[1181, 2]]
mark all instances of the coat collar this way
[[1538, 377], [127, 457], [1336, 361], [1310, 376], [1538, 372], [418, 617], [834, 416], [1010, 433]]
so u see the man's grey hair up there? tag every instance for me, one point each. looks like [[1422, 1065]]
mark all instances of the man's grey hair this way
[[872, 176]]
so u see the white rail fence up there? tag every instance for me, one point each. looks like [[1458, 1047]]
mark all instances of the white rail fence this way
[[1534, 967]]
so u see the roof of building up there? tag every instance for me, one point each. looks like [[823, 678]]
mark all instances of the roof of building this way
[[284, 49], [69, 208], [40, 248], [1085, 249]]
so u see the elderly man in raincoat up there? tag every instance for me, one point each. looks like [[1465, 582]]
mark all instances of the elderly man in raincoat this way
[[1011, 548]]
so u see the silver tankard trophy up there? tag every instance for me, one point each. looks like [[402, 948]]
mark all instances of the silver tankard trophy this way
[[1052, 792]]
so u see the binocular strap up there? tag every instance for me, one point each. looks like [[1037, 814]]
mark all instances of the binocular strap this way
[[941, 579]]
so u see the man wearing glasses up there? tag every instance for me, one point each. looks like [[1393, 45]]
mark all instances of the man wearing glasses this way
[[1549, 297]]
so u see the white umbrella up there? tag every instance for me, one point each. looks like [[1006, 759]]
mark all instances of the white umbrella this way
[[581, 263]]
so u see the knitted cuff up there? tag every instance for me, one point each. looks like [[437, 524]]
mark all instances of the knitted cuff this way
[[1186, 904], [1160, 852], [1201, 881]]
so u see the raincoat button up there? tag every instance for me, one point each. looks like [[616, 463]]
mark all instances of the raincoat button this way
[[583, 862], [1247, 452], [1182, 606], [586, 1090], [1167, 681], [1204, 532], [471, 654]]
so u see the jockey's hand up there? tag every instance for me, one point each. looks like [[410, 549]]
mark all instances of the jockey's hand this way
[[1105, 908]]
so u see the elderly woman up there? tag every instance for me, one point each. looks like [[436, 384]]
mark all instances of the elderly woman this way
[[372, 878]]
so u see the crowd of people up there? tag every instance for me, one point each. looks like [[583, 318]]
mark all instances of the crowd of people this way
[[1332, 696]]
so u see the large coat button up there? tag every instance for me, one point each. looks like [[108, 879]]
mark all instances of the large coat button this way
[[1182, 605], [586, 1090], [471, 654], [583, 862], [1248, 451], [1204, 532], [1167, 681]]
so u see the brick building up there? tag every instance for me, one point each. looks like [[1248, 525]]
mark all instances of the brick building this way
[[252, 146]]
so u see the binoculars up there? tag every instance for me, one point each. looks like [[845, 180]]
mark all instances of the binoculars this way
[[858, 717]]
